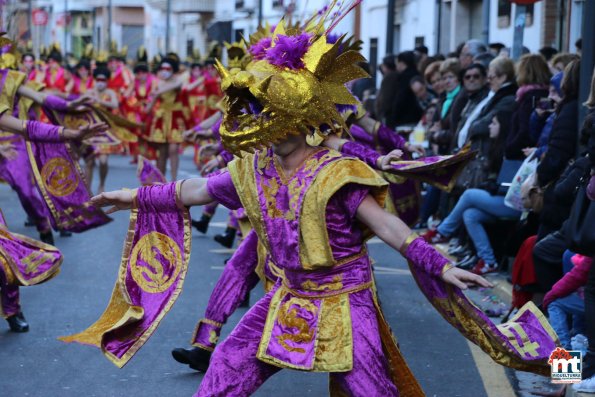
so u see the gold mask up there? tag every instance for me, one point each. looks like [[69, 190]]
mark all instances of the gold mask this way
[[265, 103]]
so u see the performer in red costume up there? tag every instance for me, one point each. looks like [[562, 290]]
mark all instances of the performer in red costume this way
[[55, 75]]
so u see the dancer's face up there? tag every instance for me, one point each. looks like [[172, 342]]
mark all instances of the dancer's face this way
[[289, 145]]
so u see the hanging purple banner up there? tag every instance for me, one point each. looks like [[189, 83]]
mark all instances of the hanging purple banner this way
[[26, 261], [61, 183], [151, 276]]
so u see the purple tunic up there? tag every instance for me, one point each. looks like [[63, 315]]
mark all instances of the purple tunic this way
[[345, 237]]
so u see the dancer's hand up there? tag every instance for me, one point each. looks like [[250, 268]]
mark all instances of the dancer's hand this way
[[7, 152], [210, 149], [85, 131], [118, 199], [204, 133], [210, 166], [189, 135], [415, 148], [463, 279], [78, 104], [384, 161]]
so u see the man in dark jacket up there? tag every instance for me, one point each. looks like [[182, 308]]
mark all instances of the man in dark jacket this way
[[386, 93], [404, 108]]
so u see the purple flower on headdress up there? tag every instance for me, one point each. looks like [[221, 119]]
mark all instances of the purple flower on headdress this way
[[258, 50], [332, 38], [289, 51], [5, 49], [255, 107]]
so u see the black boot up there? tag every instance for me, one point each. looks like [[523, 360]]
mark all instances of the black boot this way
[[47, 237], [17, 323], [196, 358], [226, 239], [64, 233], [202, 225]]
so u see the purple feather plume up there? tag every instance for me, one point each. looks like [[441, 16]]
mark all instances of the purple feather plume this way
[[258, 50], [289, 51], [344, 108]]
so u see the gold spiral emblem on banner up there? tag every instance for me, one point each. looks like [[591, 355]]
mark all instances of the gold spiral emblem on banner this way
[[59, 177], [155, 262]]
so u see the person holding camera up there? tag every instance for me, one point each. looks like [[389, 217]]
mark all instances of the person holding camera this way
[[543, 116]]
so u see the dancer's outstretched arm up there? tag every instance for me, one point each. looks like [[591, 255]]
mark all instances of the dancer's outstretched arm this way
[[51, 100], [193, 192], [51, 133], [395, 233]]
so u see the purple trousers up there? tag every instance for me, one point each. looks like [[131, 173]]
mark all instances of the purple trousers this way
[[209, 209], [9, 297], [235, 371]]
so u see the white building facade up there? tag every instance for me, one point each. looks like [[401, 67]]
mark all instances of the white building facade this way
[[441, 25]]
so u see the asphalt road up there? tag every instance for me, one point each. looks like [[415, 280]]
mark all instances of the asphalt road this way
[[37, 364]]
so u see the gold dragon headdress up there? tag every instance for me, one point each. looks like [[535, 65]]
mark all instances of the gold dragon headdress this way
[[8, 53], [293, 83], [236, 54]]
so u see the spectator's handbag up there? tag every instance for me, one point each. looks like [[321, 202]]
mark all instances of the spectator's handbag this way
[[532, 194], [472, 175], [580, 226], [514, 197]]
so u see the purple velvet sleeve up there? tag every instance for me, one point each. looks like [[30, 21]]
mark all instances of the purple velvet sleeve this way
[[42, 132], [367, 155], [344, 234], [151, 198], [425, 257], [226, 156], [220, 187], [360, 135], [54, 102], [237, 279], [389, 139], [215, 128]]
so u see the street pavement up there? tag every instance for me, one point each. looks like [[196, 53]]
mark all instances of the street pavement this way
[[37, 364]]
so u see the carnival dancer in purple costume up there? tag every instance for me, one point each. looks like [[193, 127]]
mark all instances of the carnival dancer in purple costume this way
[[322, 315], [17, 99], [24, 261], [243, 267]]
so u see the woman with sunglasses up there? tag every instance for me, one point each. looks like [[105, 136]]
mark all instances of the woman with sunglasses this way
[[169, 115]]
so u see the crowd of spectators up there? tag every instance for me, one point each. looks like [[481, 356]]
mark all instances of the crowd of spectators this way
[[512, 114]]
